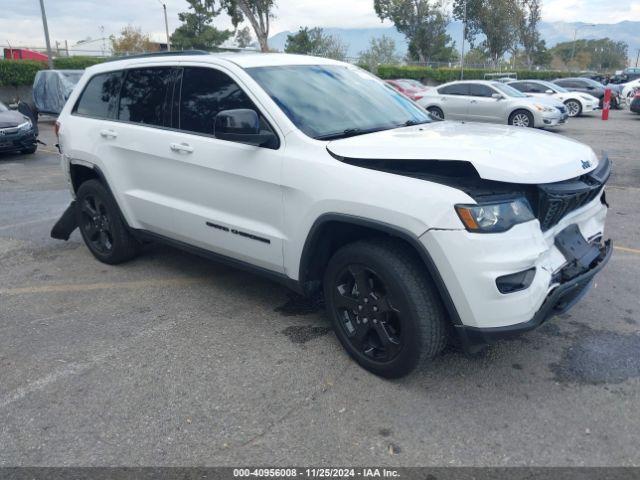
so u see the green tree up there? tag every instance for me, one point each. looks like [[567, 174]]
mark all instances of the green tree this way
[[602, 54], [476, 57], [132, 40], [497, 20], [381, 51], [243, 37], [313, 41], [529, 15], [196, 30], [423, 23], [257, 12]]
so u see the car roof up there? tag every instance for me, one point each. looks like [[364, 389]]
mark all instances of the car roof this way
[[490, 83], [242, 60]]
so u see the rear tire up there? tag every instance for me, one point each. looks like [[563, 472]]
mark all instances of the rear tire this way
[[101, 225], [521, 118], [436, 112], [384, 307], [574, 108]]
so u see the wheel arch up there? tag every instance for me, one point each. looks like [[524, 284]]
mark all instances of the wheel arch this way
[[333, 230], [81, 172], [521, 109]]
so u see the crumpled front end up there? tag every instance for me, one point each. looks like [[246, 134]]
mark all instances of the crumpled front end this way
[[503, 283]]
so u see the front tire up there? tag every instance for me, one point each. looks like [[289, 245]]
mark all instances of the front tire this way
[[521, 118], [101, 225], [384, 307], [574, 108]]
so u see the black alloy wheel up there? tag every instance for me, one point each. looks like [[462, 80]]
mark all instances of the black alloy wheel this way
[[384, 306], [102, 226], [368, 313], [96, 224]]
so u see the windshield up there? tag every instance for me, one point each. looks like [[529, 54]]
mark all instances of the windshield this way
[[593, 83], [3, 107], [553, 86], [507, 90], [412, 84], [334, 101]]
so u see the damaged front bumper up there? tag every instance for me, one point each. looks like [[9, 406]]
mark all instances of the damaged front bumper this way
[[575, 280]]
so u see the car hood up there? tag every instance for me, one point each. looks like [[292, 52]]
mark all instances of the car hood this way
[[500, 153], [11, 118]]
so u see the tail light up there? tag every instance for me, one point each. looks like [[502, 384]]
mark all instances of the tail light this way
[[56, 129]]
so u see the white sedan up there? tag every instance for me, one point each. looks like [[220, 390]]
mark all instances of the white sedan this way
[[577, 103]]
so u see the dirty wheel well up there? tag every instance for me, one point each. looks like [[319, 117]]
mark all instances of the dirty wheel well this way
[[80, 174]]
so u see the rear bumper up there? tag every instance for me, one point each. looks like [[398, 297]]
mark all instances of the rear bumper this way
[[558, 301]]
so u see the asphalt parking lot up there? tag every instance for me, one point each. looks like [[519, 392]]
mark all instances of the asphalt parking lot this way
[[171, 360]]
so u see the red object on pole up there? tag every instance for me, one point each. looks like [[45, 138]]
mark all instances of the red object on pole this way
[[606, 104]]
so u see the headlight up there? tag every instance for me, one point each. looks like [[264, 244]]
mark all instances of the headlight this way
[[26, 125], [544, 108], [495, 217]]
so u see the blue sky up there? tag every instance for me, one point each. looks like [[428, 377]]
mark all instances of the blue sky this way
[[74, 20]]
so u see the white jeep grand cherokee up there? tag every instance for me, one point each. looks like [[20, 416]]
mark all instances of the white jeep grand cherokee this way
[[317, 174]]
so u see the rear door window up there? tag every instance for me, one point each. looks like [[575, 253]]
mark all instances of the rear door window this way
[[456, 89], [145, 96], [479, 90], [100, 97]]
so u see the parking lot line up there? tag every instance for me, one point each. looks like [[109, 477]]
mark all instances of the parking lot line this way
[[84, 287], [31, 222], [627, 249]]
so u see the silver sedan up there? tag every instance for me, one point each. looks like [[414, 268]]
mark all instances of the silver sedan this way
[[495, 102]]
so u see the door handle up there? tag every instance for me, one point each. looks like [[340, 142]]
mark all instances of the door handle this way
[[474, 101], [181, 147], [108, 133]]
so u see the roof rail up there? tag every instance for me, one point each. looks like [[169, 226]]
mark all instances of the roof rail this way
[[158, 54]]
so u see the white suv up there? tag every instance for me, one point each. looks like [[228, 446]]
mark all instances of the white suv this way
[[315, 173]]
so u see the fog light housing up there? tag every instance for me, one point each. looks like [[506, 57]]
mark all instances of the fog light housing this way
[[516, 282]]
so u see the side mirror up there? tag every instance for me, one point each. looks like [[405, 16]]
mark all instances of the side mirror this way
[[241, 125], [497, 96], [549, 92]]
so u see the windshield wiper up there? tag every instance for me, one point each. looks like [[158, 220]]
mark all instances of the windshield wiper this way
[[411, 123], [350, 132]]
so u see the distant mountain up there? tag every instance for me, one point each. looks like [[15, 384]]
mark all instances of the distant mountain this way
[[553, 33]]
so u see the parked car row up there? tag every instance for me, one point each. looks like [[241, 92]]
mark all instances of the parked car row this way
[[525, 103]]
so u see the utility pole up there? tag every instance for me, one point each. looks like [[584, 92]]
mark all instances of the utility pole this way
[[166, 24], [46, 36], [464, 34], [638, 57]]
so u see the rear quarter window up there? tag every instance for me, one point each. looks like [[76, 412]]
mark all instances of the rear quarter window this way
[[99, 98]]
